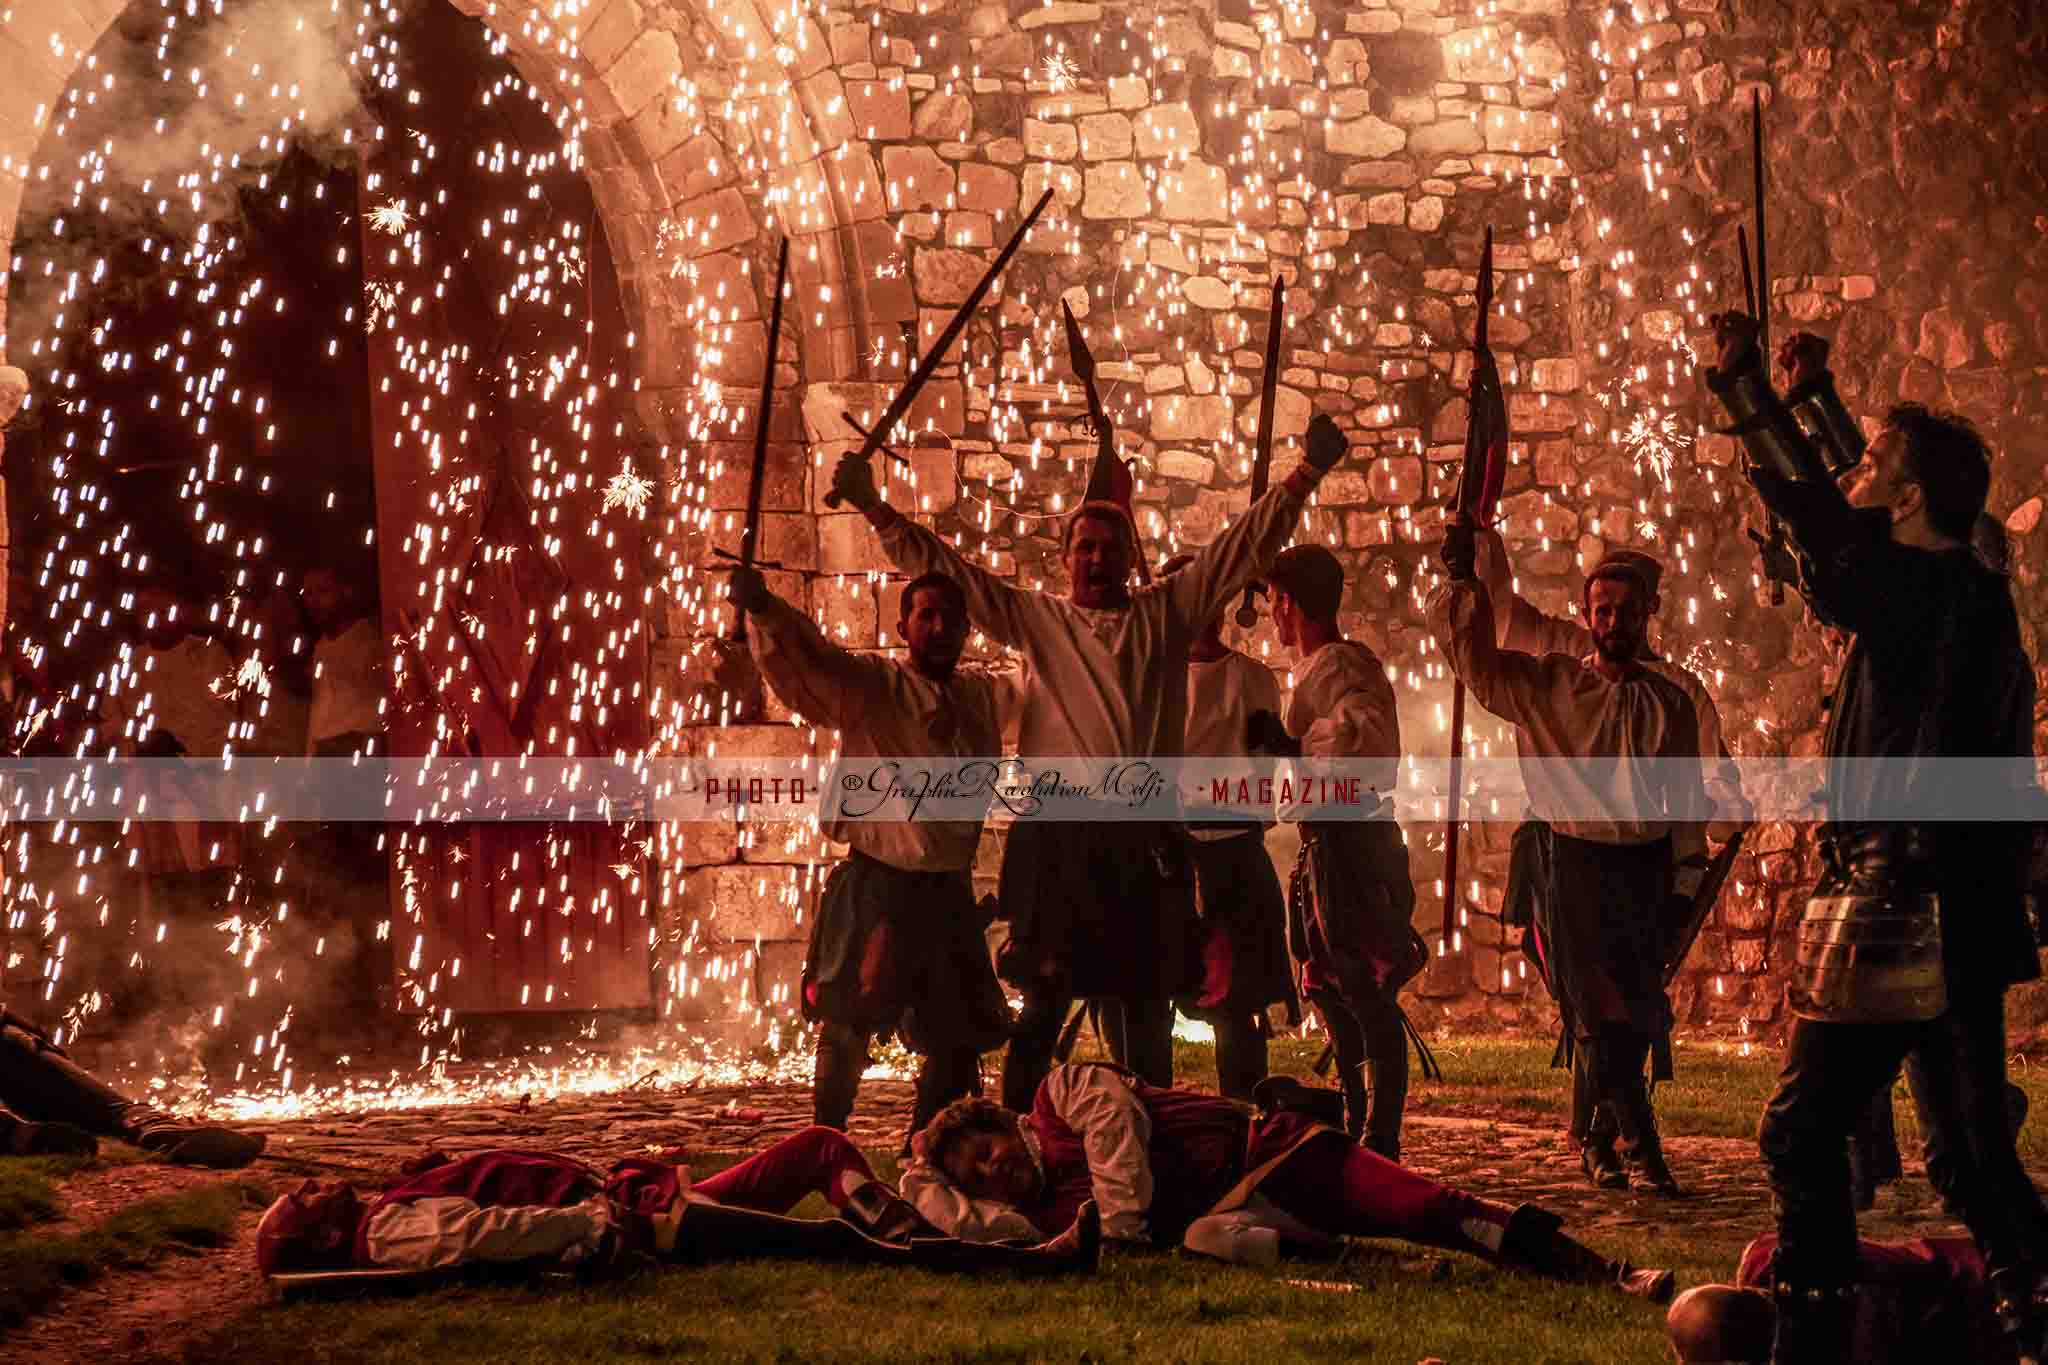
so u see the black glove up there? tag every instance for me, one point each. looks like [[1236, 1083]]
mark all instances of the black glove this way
[[1325, 442], [750, 589], [1460, 552], [1263, 733], [1780, 564]]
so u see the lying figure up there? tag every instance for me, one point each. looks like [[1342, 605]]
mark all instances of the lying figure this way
[[1923, 1300], [1171, 1166], [544, 1209], [50, 1104]]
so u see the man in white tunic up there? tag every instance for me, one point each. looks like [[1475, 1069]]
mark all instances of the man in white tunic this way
[[1101, 908], [1605, 743], [897, 944], [1351, 903], [1521, 626], [1243, 930]]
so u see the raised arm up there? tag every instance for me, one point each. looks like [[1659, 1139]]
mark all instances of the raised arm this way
[[1509, 684], [1517, 623], [995, 606], [1223, 567], [1098, 1103], [809, 673]]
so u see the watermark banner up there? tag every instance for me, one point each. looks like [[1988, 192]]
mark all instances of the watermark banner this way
[[1590, 792]]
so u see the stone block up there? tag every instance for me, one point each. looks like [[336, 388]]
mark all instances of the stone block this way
[[1476, 56], [1184, 417], [1397, 480], [1529, 413], [880, 109], [1067, 189], [1522, 130], [1426, 214], [1364, 137], [1206, 291], [1554, 376], [1446, 138], [1291, 412], [1945, 339], [970, 230], [1106, 137], [943, 118], [1194, 192], [1051, 141], [1115, 189], [848, 544], [946, 275], [917, 179], [742, 903], [986, 189], [1166, 130], [856, 183], [1187, 465], [1059, 12]]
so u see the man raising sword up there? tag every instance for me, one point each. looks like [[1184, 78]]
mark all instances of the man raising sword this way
[[1100, 908]]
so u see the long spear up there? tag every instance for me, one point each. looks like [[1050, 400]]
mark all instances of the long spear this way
[[1262, 453], [1109, 478], [1479, 487], [758, 474], [1763, 287], [919, 377]]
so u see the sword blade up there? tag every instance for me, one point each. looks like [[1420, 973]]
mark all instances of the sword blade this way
[[757, 476], [919, 377]]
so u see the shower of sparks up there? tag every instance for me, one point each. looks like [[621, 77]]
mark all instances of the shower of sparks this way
[[1060, 72], [1655, 441], [628, 490], [380, 299]]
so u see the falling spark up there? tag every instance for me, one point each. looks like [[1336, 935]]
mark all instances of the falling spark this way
[[391, 218], [628, 490], [1060, 72]]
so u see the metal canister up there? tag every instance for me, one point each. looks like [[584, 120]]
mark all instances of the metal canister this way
[[1869, 958]]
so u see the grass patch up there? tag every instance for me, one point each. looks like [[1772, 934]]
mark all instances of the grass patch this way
[[28, 1193], [1406, 1306], [35, 1266]]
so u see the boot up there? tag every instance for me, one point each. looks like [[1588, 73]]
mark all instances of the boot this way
[[884, 1215], [189, 1144], [1533, 1241], [1286, 1095], [56, 1089], [1621, 1057], [1357, 1113], [1388, 1092], [1592, 1125], [1602, 1165], [1074, 1252], [835, 1075], [1815, 1323], [19, 1137]]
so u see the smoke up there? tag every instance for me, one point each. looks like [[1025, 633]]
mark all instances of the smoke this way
[[166, 124]]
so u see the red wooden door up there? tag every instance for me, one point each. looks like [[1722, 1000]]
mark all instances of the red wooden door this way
[[510, 525]]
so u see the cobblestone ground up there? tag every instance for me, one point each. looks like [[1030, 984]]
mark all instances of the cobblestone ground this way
[[1511, 1161]]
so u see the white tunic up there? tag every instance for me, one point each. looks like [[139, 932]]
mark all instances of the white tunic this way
[[1222, 694], [174, 691], [1111, 682], [1520, 626], [348, 684], [1343, 707], [1563, 707], [884, 707]]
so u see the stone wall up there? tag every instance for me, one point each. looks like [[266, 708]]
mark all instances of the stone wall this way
[[1197, 151]]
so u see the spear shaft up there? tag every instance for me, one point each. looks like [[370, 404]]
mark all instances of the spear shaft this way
[[757, 476]]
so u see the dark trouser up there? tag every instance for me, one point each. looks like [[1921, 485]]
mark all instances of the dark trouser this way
[[896, 950], [943, 1075], [1370, 1040], [43, 1085], [1240, 1055], [1140, 1036], [1956, 1065]]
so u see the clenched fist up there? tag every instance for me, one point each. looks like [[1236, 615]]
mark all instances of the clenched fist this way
[[854, 483], [1326, 443]]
